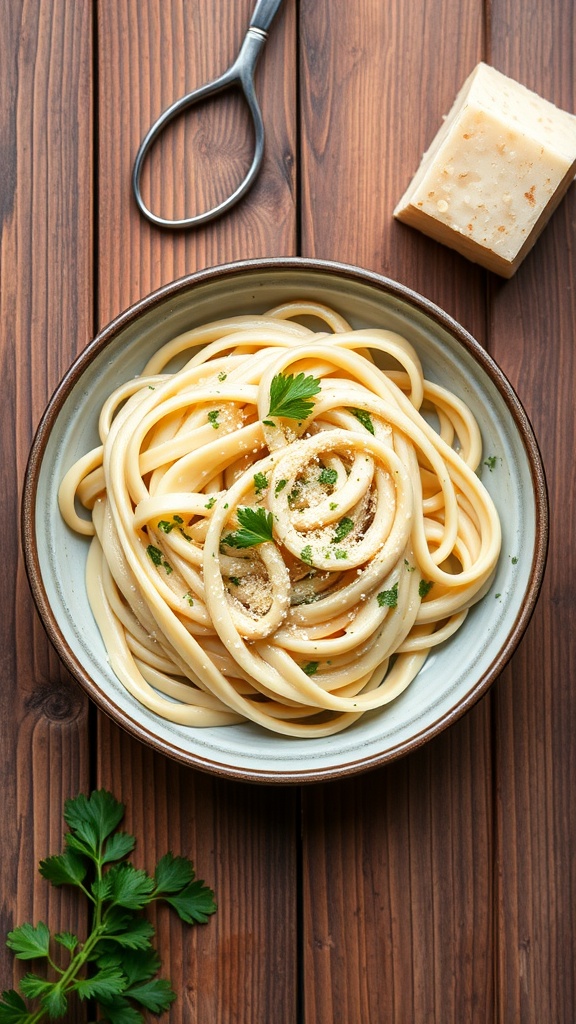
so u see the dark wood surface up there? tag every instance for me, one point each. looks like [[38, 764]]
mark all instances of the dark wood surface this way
[[441, 888]]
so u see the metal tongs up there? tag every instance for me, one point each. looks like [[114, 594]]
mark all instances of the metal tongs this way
[[239, 75]]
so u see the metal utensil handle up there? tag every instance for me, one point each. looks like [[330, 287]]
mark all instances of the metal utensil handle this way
[[263, 14]]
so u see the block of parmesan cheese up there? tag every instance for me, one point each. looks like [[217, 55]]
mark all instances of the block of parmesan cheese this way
[[497, 169]]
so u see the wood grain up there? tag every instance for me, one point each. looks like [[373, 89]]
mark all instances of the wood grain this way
[[45, 318], [151, 54], [241, 967], [532, 336], [440, 888], [397, 866]]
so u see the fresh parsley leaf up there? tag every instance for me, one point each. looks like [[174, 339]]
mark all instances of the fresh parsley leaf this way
[[234, 580], [118, 947], [33, 986], [13, 1009], [120, 1011], [155, 995], [130, 887], [364, 418], [290, 397], [54, 1002], [343, 528], [64, 869], [340, 553], [424, 587], [388, 598], [172, 874], [118, 846], [311, 668], [279, 487], [256, 528], [140, 965], [93, 818], [126, 931], [213, 418], [68, 940], [28, 941], [108, 982], [193, 903], [211, 502]]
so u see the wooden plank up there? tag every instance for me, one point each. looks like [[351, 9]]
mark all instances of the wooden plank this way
[[241, 967], [151, 54], [397, 865], [532, 338], [46, 318]]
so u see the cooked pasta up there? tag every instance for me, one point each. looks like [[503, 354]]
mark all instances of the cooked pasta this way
[[282, 530]]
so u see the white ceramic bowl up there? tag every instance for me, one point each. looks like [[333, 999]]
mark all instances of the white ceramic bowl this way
[[454, 676]]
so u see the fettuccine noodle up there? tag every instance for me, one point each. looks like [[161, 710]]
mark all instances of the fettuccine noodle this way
[[282, 531]]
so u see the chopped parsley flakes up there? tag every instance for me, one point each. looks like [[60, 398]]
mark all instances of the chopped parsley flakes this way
[[344, 527], [158, 558], [388, 598], [364, 418], [306, 554], [328, 476], [260, 482]]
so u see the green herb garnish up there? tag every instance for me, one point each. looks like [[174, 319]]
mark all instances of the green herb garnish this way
[[213, 418], [165, 526], [388, 598], [235, 580], [343, 528], [116, 964], [306, 554], [279, 487], [340, 553], [211, 502], [491, 461], [311, 668], [256, 528], [424, 587], [364, 418], [158, 558], [328, 476], [222, 376], [260, 482], [290, 396]]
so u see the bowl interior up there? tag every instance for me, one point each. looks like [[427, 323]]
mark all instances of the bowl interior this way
[[454, 676]]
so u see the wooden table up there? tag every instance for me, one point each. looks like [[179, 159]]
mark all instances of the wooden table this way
[[440, 888]]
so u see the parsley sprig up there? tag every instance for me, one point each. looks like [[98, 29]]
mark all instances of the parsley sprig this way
[[115, 965], [256, 528], [291, 396]]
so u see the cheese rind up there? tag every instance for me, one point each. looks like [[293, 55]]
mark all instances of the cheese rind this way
[[496, 170]]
